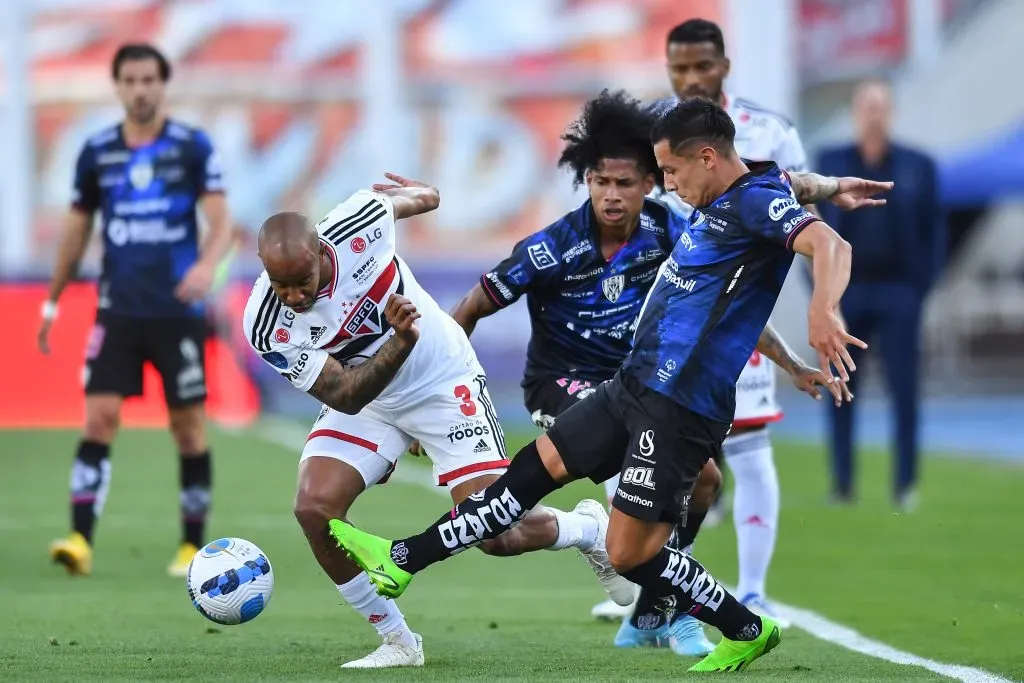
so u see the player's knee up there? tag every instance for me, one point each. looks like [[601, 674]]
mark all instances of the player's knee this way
[[189, 431], [708, 484], [313, 513], [101, 423]]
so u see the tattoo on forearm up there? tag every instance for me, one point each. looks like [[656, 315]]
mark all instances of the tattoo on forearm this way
[[770, 344], [811, 188], [349, 390]]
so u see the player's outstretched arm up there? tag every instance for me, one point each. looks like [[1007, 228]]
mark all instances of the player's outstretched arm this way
[[350, 390], [847, 193], [830, 257], [78, 227], [474, 306], [805, 378], [409, 197]]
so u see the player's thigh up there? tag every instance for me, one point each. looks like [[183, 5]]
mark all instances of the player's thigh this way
[[177, 349], [591, 436], [114, 357], [457, 426], [548, 398], [667, 449], [365, 442]]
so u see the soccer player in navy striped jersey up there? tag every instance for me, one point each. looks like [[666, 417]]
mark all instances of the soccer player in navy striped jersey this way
[[585, 277], [146, 177], [667, 411]]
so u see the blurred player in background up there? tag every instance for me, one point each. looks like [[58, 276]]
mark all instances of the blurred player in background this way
[[698, 66], [339, 315], [146, 176], [586, 277]]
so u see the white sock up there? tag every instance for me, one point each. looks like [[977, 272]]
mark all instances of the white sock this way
[[574, 530], [382, 613], [610, 487], [755, 510]]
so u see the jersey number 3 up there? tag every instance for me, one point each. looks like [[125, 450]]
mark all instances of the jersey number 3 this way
[[468, 406]]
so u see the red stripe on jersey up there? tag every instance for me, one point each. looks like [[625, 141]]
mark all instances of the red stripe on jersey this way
[[470, 469], [757, 421], [376, 294], [342, 436]]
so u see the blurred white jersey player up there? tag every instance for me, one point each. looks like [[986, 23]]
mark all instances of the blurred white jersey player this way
[[340, 315], [697, 67]]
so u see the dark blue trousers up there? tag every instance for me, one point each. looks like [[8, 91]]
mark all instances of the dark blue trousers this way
[[888, 318]]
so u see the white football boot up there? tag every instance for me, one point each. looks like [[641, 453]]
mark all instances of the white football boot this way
[[391, 653], [609, 611], [622, 591]]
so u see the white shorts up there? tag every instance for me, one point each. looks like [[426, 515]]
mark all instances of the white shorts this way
[[755, 394], [456, 425]]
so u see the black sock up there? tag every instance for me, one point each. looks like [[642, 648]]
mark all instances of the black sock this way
[[196, 476], [696, 592], [90, 481], [686, 534], [486, 514], [653, 610]]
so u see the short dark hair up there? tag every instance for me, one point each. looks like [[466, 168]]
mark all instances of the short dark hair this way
[[614, 125], [132, 52], [698, 31], [695, 119]]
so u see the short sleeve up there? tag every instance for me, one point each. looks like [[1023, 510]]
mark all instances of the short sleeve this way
[[209, 167], [85, 194], [274, 343], [533, 263], [366, 220], [774, 213], [790, 155]]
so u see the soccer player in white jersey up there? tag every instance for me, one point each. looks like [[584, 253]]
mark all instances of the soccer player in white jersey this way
[[697, 66], [339, 315]]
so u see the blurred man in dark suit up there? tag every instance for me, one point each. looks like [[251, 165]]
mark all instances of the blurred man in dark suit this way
[[899, 250]]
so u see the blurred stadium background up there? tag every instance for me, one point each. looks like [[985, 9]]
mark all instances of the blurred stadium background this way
[[308, 100]]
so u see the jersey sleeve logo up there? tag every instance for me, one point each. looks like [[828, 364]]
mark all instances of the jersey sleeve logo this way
[[612, 287], [779, 207], [282, 335], [541, 256]]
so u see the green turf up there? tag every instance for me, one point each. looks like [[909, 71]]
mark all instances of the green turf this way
[[942, 583]]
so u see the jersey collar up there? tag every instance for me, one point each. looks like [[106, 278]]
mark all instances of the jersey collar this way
[[328, 290]]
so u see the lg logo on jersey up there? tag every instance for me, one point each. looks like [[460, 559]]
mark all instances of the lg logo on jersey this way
[[640, 476], [359, 244]]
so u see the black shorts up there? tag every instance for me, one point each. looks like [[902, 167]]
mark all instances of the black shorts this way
[[657, 445], [119, 346], [547, 398]]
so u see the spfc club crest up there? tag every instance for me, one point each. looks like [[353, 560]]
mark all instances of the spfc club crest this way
[[612, 287]]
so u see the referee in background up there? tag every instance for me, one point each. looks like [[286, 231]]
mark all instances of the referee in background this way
[[146, 177]]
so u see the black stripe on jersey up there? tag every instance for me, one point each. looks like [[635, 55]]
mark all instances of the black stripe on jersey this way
[[258, 339], [342, 230], [348, 219], [268, 324], [490, 415]]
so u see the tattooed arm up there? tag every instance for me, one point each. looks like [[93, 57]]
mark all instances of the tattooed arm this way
[[847, 193], [350, 390], [804, 377]]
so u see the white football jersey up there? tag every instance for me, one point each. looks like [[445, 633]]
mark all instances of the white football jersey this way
[[347, 320], [761, 135]]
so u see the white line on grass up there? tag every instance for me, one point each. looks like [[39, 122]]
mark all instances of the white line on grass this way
[[291, 436]]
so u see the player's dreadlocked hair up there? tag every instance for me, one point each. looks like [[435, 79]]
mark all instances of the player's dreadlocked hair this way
[[614, 125]]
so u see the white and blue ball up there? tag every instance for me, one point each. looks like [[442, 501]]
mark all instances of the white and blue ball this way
[[230, 581]]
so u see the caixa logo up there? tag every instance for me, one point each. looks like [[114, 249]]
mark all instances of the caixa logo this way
[[640, 476]]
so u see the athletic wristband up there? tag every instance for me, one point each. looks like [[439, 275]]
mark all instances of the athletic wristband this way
[[49, 310]]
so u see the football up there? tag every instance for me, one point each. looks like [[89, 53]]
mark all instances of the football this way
[[230, 581]]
